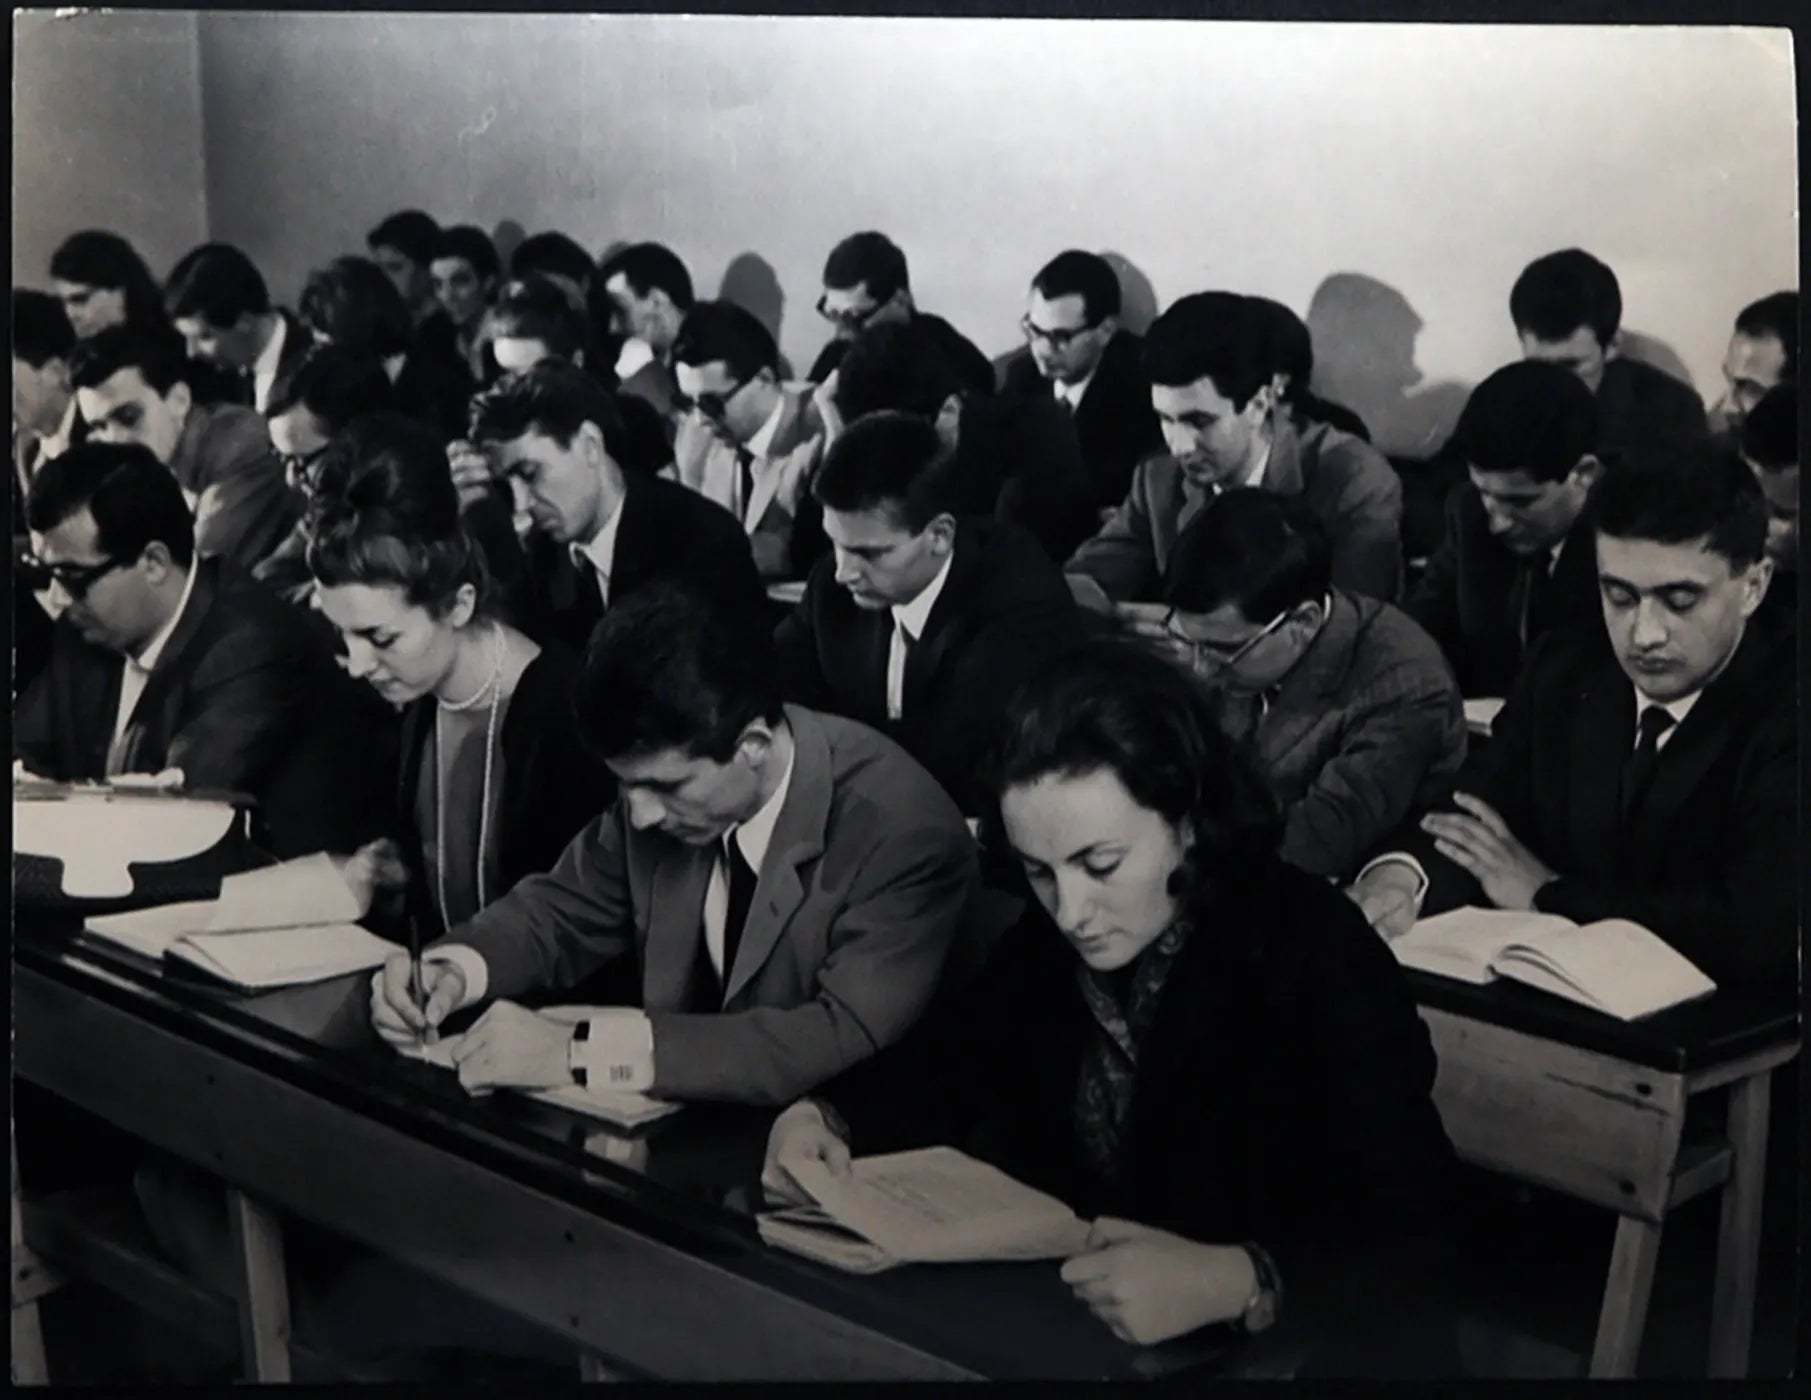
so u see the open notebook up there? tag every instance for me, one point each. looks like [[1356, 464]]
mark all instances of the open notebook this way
[[274, 927], [1613, 965], [931, 1206]]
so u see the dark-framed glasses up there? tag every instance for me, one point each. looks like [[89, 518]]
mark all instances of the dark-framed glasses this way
[[849, 318], [1222, 654], [297, 465], [1057, 339], [74, 579], [712, 404]]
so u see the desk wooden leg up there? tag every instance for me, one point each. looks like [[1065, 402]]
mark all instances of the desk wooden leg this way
[[1739, 1232], [263, 1287], [1625, 1299]]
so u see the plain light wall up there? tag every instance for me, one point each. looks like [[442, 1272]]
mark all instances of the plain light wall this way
[[106, 134]]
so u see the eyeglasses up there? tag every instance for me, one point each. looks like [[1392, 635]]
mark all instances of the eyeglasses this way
[[296, 465], [1058, 340], [850, 318], [1224, 655], [74, 579], [711, 404]]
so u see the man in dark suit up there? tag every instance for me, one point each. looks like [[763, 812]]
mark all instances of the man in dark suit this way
[[597, 534], [402, 244], [1769, 445], [165, 660], [1763, 353], [45, 424], [1080, 358], [1517, 558], [919, 624], [1213, 371], [1646, 771], [217, 299], [1348, 706], [788, 883], [866, 283], [649, 293], [1567, 309]]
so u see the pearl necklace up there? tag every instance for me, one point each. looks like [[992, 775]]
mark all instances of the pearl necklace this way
[[492, 689]]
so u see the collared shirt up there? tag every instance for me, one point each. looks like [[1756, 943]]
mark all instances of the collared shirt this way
[[910, 618], [1071, 394], [762, 442], [138, 668], [1255, 477], [752, 837], [1678, 709], [598, 554], [264, 371], [635, 356]]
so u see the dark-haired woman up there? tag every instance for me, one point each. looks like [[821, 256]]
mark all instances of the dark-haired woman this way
[[1194, 1044]]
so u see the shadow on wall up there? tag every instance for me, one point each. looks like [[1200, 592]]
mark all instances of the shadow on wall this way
[[1637, 345], [507, 236], [1137, 297], [752, 284], [1364, 334]]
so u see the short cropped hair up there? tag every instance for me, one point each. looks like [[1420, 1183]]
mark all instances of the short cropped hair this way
[[554, 398], [1086, 275], [96, 258], [645, 266], [896, 365], [352, 303], [410, 232], [867, 259], [216, 283], [473, 245], [1212, 335], [155, 352], [672, 668], [532, 307], [1292, 347], [893, 462], [1775, 316], [1681, 493], [133, 498], [721, 330], [41, 329], [553, 252], [1770, 431], [1562, 291], [334, 384], [1254, 550], [1531, 417]]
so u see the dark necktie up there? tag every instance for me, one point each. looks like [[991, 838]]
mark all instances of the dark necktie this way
[[1638, 770], [745, 482], [1530, 594], [741, 896]]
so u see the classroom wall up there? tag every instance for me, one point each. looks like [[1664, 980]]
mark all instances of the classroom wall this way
[[106, 134]]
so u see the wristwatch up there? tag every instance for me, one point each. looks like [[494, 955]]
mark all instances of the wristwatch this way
[[575, 1053], [1266, 1301]]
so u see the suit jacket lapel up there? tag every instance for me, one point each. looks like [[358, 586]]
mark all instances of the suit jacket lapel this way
[[1283, 473], [1602, 733], [681, 877], [768, 468], [170, 665], [1303, 701], [947, 622]]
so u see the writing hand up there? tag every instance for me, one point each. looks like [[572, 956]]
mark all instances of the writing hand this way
[[1481, 842], [1149, 1285], [394, 1013]]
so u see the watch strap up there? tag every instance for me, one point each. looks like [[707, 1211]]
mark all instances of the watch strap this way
[[575, 1054]]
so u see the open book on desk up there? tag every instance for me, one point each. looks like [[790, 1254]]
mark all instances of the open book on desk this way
[[275, 927], [931, 1206], [1613, 966]]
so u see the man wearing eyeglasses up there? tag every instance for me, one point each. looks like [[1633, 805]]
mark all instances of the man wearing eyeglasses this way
[[1347, 704], [866, 283], [1078, 355], [761, 440]]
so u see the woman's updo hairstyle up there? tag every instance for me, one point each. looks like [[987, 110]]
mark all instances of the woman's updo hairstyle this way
[[385, 512], [1115, 704]]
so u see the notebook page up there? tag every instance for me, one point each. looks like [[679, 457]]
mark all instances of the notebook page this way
[[294, 894], [280, 957], [1628, 970], [152, 931], [1463, 943]]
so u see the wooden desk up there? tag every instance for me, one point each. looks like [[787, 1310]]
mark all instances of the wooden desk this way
[[642, 1251], [1557, 1095]]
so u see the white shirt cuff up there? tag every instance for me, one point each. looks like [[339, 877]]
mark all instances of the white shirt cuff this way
[[470, 962], [1400, 858], [618, 1054]]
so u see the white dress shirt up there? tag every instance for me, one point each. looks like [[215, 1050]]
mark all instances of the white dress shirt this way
[[1071, 394], [635, 356], [910, 618], [753, 838], [598, 554], [264, 371], [138, 668]]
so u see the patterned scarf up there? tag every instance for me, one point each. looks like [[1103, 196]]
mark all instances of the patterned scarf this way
[[1109, 1066]]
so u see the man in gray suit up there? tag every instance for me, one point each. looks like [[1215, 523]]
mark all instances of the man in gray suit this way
[[788, 882], [1352, 712]]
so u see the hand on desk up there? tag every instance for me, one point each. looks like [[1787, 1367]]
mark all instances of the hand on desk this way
[[1389, 896], [511, 1047], [395, 1014], [800, 1134], [1148, 1285], [1482, 843]]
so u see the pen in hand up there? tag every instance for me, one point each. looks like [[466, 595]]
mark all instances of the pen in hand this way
[[417, 991]]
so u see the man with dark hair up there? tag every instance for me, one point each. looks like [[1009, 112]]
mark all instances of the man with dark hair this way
[[1213, 372], [45, 420], [466, 270], [1769, 445], [1567, 309], [1763, 352], [1516, 556], [598, 535], [787, 882], [1647, 771], [403, 246], [1294, 352], [217, 300], [132, 387], [165, 660], [1078, 357], [1348, 706], [918, 623], [536, 319], [554, 255], [866, 283], [650, 292], [754, 441]]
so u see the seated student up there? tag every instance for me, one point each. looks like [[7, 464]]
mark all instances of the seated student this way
[[218, 302], [1295, 369], [649, 292], [466, 270], [350, 303], [762, 438], [918, 624], [1213, 368], [1190, 1041], [309, 407], [555, 256], [494, 780], [1351, 712], [1763, 352], [1769, 445], [166, 660], [1567, 308], [598, 534], [1078, 356], [866, 283], [788, 883], [45, 424], [1016, 458], [1647, 774], [132, 386], [402, 244], [1516, 557]]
